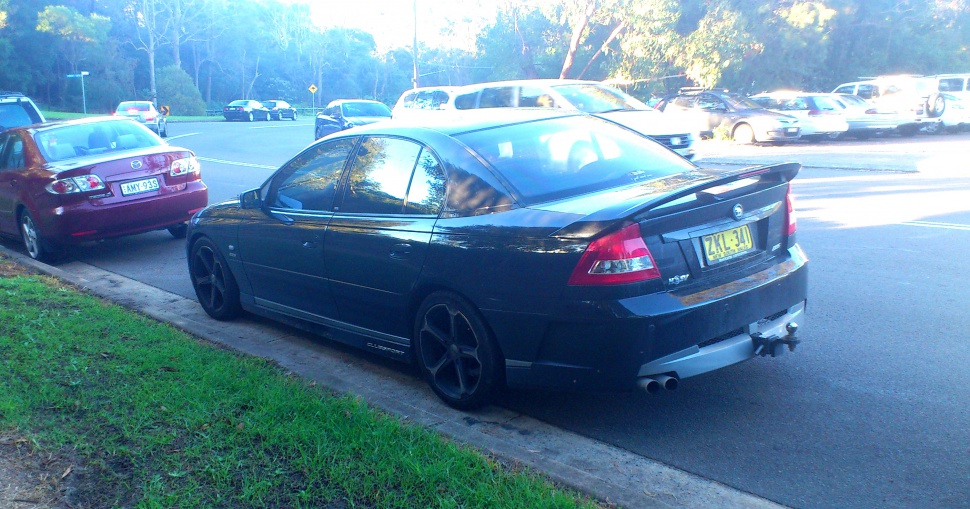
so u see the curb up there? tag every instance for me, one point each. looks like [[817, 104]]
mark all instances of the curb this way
[[600, 470]]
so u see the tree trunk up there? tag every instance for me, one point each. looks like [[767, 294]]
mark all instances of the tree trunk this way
[[176, 34], [578, 30], [616, 31]]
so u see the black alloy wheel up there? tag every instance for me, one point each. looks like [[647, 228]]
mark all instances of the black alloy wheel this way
[[456, 352], [34, 244], [293, 117], [213, 282], [267, 117], [251, 116]]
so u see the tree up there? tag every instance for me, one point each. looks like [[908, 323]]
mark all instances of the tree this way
[[176, 90], [75, 33], [151, 26]]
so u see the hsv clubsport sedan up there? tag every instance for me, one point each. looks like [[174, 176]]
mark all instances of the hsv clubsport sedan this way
[[519, 248], [69, 182]]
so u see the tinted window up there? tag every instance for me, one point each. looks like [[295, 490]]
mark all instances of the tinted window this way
[[558, 158], [709, 102], [684, 101], [532, 97], [427, 190], [13, 153], [868, 91], [16, 114], [844, 90], [597, 98], [363, 109], [466, 101], [951, 85], [379, 178], [239, 103], [70, 141], [309, 181], [497, 97]]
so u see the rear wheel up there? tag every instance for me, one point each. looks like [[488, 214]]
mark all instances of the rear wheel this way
[[935, 106], [163, 129], [743, 133], [213, 282], [456, 351], [251, 116], [267, 117], [34, 244], [294, 116], [178, 230]]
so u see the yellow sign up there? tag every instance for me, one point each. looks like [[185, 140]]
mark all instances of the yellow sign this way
[[164, 110], [312, 88]]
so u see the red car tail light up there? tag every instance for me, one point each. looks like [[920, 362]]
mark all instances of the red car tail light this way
[[72, 185], [184, 166], [618, 258], [790, 214]]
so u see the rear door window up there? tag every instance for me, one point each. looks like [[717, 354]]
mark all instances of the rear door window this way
[[951, 84], [378, 180], [497, 97]]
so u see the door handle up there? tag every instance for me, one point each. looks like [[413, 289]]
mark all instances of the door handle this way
[[401, 251]]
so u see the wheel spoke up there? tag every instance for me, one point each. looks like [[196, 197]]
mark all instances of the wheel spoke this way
[[439, 335], [438, 365], [460, 371]]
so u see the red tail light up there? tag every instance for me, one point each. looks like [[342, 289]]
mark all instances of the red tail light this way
[[618, 258], [814, 113], [790, 215]]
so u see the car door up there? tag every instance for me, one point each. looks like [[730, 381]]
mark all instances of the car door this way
[[713, 111], [11, 167], [282, 248], [379, 235]]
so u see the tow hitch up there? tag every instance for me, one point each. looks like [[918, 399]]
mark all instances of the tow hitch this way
[[774, 345]]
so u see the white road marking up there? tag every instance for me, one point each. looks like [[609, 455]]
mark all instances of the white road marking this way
[[279, 126], [935, 224], [250, 165], [181, 136]]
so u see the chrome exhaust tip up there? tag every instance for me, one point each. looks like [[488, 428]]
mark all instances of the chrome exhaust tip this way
[[649, 385]]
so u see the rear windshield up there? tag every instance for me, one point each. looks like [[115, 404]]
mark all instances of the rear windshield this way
[[592, 98], [559, 158], [73, 141], [366, 110], [133, 106], [239, 103], [16, 114]]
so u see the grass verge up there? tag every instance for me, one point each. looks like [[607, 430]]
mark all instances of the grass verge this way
[[161, 419]]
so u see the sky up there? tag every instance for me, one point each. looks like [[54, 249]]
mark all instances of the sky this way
[[392, 21]]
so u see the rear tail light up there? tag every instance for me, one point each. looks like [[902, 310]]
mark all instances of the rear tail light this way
[[72, 185], [814, 113], [790, 214], [871, 111], [149, 119], [618, 258], [184, 166]]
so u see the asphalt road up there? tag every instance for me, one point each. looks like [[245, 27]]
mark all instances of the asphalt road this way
[[871, 410]]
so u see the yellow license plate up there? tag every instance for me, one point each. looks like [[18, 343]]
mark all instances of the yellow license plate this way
[[728, 243]]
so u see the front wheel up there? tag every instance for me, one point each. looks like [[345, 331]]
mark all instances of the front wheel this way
[[34, 244], [743, 133], [456, 352], [213, 282], [251, 116], [294, 116], [267, 117], [163, 129]]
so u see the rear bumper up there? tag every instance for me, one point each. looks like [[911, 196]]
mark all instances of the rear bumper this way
[[86, 220], [609, 345]]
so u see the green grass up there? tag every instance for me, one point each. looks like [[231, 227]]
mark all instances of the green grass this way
[[161, 419]]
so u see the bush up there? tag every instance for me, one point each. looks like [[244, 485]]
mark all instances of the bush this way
[[177, 91]]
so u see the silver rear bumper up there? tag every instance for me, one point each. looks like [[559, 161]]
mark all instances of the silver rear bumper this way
[[695, 360]]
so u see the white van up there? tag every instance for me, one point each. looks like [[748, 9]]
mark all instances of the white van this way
[[591, 97], [916, 99], [420, 101]]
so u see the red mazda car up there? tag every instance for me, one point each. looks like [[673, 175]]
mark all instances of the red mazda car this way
[[69, 182]]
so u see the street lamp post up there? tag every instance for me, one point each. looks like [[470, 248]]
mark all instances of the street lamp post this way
[[84, 100]]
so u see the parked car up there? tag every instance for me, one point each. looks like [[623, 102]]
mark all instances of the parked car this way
[[245, 109], [953, 84], [864, 118], [418, 102], [744, 120], [954, 119], [346, 113], [521, 247], [91, 179], [819, 116], [278, 110], [591, 97], [144, 113], [17, 110], [916, 100]]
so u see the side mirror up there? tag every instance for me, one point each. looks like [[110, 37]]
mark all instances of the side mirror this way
[[250, 200]]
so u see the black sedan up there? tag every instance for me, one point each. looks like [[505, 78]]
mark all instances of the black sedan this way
[[519, 248], [245, 109], [346, 113], [278, 110]]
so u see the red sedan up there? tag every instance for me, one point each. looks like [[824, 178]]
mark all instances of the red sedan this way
[[69, 182]]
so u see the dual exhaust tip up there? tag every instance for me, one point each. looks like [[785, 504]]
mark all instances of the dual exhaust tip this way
[[653, 384]]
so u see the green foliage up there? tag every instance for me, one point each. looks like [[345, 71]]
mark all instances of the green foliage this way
[[177, 91]]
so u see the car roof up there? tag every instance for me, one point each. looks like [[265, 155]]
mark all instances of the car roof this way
[[467, 120]]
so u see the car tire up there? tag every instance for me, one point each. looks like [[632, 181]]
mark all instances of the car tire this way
[[251, 116], [743, 133], [35, 245], [267, 117], [178, 230], [935, 106], [214, 284], [293, 117], [163, 130], [457, 352]]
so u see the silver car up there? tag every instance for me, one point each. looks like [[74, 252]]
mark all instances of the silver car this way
[[145, 113]]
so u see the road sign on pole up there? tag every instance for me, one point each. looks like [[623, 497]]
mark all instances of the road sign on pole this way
[[84, 101], [313, 97]]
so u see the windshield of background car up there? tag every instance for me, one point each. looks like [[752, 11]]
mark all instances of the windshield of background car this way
[[366, 110], [740, 103], [564, 157], [598, 99], [270, 104], [73, 141]]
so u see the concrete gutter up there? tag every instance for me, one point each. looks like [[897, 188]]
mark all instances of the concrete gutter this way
[[603, 471]]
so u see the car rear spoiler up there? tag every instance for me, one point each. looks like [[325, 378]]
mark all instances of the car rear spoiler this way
[[603, 219]]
